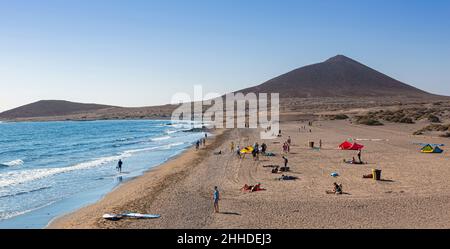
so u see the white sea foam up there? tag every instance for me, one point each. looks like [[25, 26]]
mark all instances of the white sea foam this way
[[13, 163], [9, 215], [23, 176], [171, 132], [161, 138]]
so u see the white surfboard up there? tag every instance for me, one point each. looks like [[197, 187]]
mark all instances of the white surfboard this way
[[112, 216], [141, 216]]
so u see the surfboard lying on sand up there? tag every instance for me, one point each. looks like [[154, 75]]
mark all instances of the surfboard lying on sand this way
[[112, 216], [141, 216], [130, 215]]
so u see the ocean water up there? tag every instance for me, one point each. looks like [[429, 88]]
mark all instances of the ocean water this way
[[51, 168]]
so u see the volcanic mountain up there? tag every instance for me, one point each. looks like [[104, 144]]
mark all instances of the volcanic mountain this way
[[48, 108], [338, 76]]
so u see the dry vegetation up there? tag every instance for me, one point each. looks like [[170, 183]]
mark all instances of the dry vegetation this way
[[444, 130], [408, 115]]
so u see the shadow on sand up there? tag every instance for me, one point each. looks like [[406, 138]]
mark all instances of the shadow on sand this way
[[230, 213]]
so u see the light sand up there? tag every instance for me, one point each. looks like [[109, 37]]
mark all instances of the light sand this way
[[414, 192]]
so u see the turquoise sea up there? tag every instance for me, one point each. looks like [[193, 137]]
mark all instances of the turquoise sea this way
[[48, 169]]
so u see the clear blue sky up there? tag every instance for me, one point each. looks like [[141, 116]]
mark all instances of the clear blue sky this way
[[135, 53]]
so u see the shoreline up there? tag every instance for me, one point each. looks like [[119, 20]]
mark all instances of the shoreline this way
[[66, 220], [180, 189]]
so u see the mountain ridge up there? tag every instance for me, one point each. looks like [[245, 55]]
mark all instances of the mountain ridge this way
[[44, 108], [339, 76]]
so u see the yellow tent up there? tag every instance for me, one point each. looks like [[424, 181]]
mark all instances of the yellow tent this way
[[247, 150], [430, 149]]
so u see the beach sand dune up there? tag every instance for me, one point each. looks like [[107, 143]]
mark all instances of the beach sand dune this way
[[413, 193]]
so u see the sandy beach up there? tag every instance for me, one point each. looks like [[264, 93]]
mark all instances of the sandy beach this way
[[413, 193]]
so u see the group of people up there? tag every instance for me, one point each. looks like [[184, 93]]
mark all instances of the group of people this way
[[256, 149], [354, 161], [201, 141]]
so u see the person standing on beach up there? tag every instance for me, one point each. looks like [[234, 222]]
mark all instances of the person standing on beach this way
[[119, 166], [320, 143], [216, 198], [197, 144], [285, 161], [232, 146], [359, 156]]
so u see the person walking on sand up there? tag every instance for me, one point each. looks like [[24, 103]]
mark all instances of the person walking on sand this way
[[284, 148], [320, 144], [119, 166], [289, 141], [238, 152], [216, 198], [359, 156], [232, 146]]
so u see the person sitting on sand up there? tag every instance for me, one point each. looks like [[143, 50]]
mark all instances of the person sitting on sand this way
[[337, 189], [353, 161], [275, 170], [263, 148], [216, 198]]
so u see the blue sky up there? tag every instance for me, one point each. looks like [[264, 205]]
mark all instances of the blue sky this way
[[140, 52]]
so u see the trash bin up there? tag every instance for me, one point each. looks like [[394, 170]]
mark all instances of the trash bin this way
[[376, 174], [311, 144]]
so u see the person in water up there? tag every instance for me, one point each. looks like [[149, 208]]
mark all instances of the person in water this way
[[119, 166], [197, 144], [216, 198]]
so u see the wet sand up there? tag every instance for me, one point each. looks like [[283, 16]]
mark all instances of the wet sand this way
[[413, 193]]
